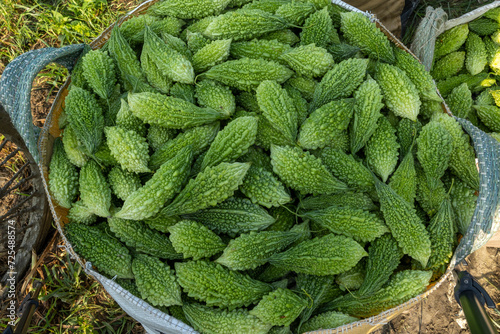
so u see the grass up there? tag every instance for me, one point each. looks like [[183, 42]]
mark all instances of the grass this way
[[71, 302]]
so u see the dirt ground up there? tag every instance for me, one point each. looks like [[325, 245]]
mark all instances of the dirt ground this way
[[440, 313]]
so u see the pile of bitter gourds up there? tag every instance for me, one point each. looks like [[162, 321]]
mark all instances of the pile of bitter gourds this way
[[272, 166]]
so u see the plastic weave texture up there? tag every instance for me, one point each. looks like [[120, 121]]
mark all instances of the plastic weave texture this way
[[17, 80]]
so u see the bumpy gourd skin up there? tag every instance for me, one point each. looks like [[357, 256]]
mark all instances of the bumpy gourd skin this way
[[259, 48], [460, 101], [235, 215], [147, 201], [73, 147], [63, 176], [384, 256], [177, 44], [442, 231], [218, 286], [279, 308], [262, 187], [382, 149], [210, 187], [476, 57], [145, 240], [267, 135], [330, 319], [449, 65], [246, 74], [278, 108], [195, 240], [306, 86], [295, 12], [156, 281], [105, 252], [183, 91], [99, 72], [95, 192], [158, 135], [324, 124], [85, 117], [303, 172], [490, 115], [133, 29], [161, 222], [339, 82], [429, 194], [248, 251], [212, 54], [462, 157], [483, 26], [403, 286], [195, 41], [328, 255], [170, 112], [79, 213], [417, 73], [358, 224], [347, 169], [300, 103], [244, 24], [212, 94], [125, 57], [192, 9], [400, 94], [346, 199], [463, 200], [210, 320], [451, 40], [434, 148], [269, 6], [126, 120], [317, 29], [123, 183], [407, 132], [128, 148], [404, 224], [169, 62], [360, 32], [367, 108], [153, 74], [198, 138], [285, 36], [404, 179], [232, 142]]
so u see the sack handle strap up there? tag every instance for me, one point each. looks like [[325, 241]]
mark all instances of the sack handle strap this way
[[16, 83]]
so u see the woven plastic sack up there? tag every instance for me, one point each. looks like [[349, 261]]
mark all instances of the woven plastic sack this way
[[485, 223], [434, 24]]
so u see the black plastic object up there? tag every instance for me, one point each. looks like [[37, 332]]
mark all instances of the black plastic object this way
[[471, 296], [26, 310]]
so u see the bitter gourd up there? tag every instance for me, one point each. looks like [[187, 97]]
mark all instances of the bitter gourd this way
[[218, 286], [263, 188], [476, 56], [193, 9], [259, 48], [99, 72], [346, 199], [212, 94], [381, 150], [210, 187], [218, 321], [85, 117], [232, 142], [156, 281], [128, 148], [195, 240], [295, 12], [460, 101], [278, 108], [483, 26], [339, 82], [158, 136], [248, 251], [306, 86], [360, 32], [123, 183], [73, 147], [63, 176], [244, 24], [153, 74], [80, 214], [489, 115], [285, 36], [463, 200], [105, 252], [317, 29], [327, 320], [234, 216], [279, 308], [358, 224], [400, 94], [308, 60], [269, 6], [451, 40], [143, 239], [449, 65], [212, 54], [127, 121], [367, 106], [405, 225], [347, 169], [195, 41], [95, 192], [170, 112], [147, 201], [303, 172], [324, 124], [404, 179], [328, 255]]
